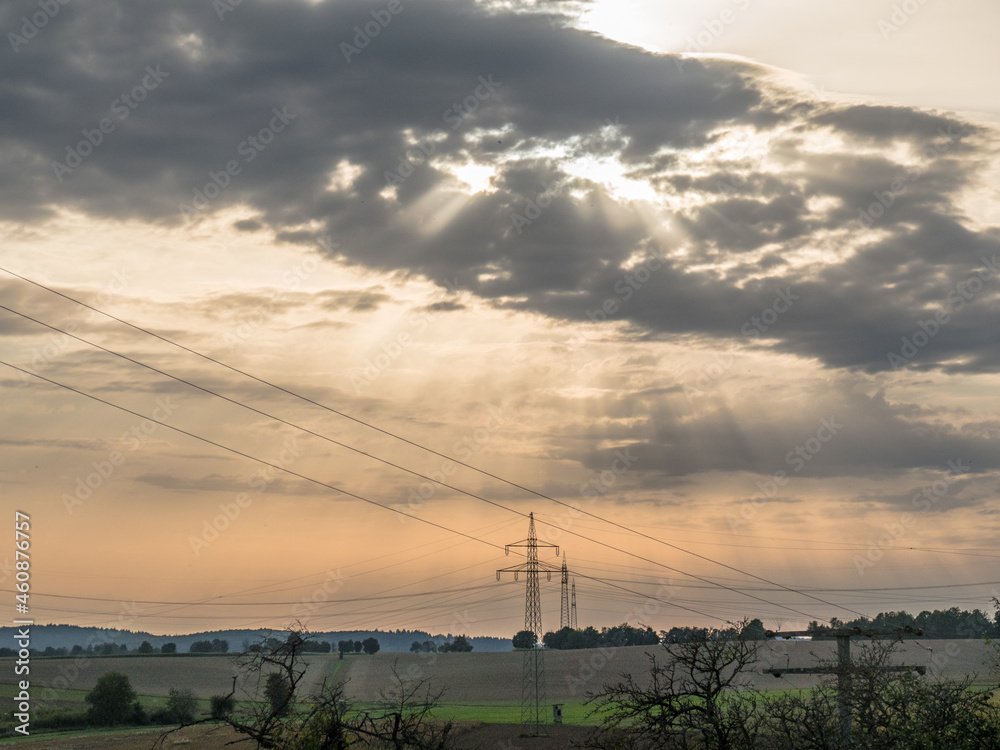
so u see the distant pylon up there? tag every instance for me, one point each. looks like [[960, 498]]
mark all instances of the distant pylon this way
[[572, 608], [533, 672], [564, 617]]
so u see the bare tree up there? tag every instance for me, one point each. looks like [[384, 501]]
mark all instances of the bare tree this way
[[292, 719], [404, 720], [891, 709], [694, 696]]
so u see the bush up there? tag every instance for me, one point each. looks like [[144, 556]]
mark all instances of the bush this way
[[58, 718], [459, 645], [279, 693], [113, 701], [222, 706], [181, 704], [160, 716], [524, 639]]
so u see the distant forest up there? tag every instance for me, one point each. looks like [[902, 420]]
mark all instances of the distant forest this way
[[70, 640], [59, 640], [947, 623]]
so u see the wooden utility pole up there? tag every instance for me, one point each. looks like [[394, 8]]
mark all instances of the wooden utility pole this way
[[844, 668]]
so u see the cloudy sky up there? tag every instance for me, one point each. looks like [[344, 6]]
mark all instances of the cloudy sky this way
[[709, 287]]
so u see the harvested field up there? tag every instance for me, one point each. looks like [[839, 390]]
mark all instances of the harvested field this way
[[496, 677], [153, 675]]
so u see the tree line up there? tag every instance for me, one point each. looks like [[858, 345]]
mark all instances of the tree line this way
[[953, 623], [459, 645], [941, 623]]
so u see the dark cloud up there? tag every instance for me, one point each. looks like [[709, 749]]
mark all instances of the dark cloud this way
[[248, 225], [221, 483], [844, 432], [448, 83], [942, 495], [443, 306]]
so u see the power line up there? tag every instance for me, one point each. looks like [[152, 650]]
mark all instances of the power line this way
[[247, 455], [255, 410], [373, 502], [474, 496], [445, 456]]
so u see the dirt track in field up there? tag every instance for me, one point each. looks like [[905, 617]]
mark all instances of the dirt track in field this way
[[192, 738], [468, 737]]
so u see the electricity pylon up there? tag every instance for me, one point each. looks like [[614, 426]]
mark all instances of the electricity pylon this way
[[533, 672], [572, 608], [564, 596]]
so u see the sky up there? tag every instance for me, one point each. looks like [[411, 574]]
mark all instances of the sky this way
[[307, 305]]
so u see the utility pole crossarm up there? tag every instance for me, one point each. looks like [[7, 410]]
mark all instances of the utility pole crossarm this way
[[844, 670], [841, 632], [778, 671]]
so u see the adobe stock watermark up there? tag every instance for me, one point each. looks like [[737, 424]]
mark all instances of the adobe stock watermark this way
[[595, 487], [533, 208], [250, 148], [924, 500], [389, 352], [222, 7], [594, 661], [454, 117], [120, 108], [70, 670], [713, 28], [797, 458], [229, 512], [104, 469], [900, 16], [958, 297], [884, 199], [756, 325], [625, 288], [464, 449], [292, 279], [44, 355], [6, 569], [48, 9], [320, 595]]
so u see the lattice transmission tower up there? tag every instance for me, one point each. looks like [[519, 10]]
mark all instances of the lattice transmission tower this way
[[533, 670], [564, 616], [572, 607]]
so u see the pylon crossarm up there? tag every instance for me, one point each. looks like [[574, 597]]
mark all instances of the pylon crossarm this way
[[531, 567]]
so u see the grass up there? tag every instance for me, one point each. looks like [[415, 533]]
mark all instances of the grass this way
[[501, 713], [496, 713], [43, 694]]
